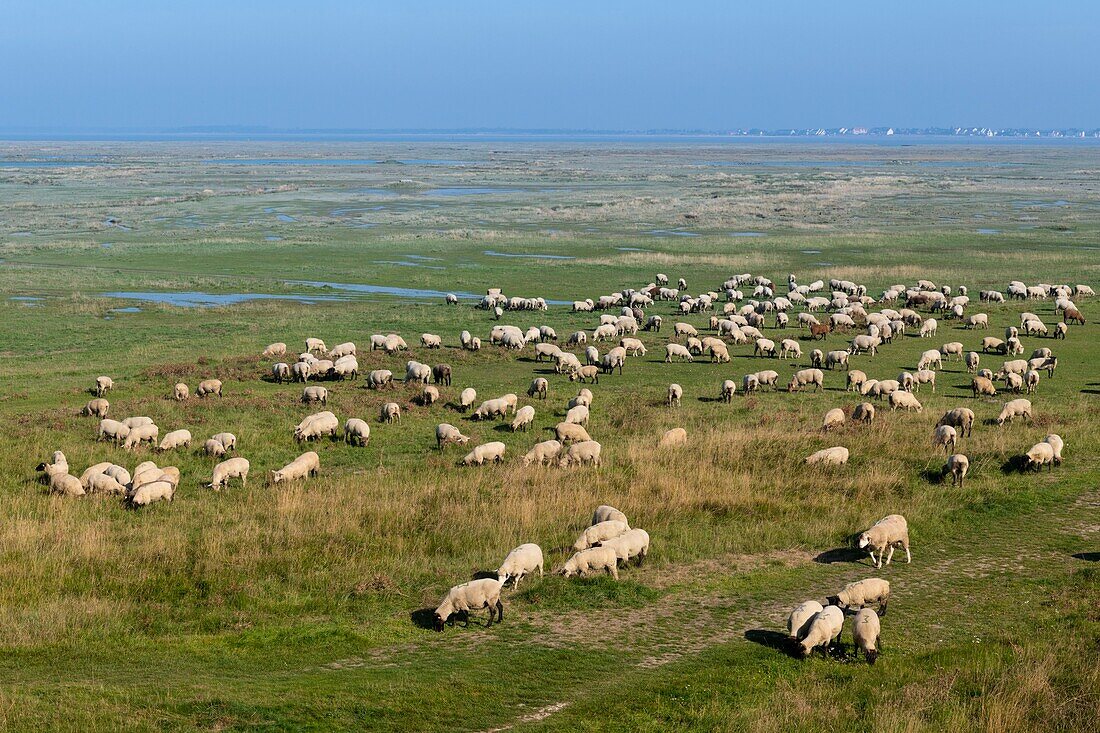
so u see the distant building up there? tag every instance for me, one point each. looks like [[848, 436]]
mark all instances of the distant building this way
[[859, 130]]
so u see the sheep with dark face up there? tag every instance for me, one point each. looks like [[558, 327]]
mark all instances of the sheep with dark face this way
[[473, 596], [890, 532]]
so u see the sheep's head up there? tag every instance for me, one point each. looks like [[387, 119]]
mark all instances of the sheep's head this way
[[864, 540], [438, 623]]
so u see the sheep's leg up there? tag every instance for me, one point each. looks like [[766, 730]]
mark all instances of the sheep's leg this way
[[500, 611], [890, 556], [908, 557], [877, 565]]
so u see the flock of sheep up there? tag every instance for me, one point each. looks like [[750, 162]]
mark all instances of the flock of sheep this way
[[733, 318]]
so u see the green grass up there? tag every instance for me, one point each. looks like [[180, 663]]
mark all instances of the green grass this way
[[305, 607]]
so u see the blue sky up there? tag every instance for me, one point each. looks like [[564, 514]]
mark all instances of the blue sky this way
[[597, 64]]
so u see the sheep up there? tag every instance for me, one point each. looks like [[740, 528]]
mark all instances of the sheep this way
[[315, 394], [233, 468], [431, 340], [978, 320], [953, 348], [276, 349], [890, 532], [729, 387], [864, 343], [390, 412], [544, 452], [538, 388], [136, 422], [865, 631], [863, 594], [767, 377], [228, 440], [466, 399], [835, 456], [991, 344], [633, 346], [491, 408], [1041, 454], [800, 618], [972, 361], [315, 426], [180, 392], [175, 439], [886, 387], [394, 343], [946, 436], [429, 395], [585, 451], [749, 384], [102, 483], [524, 418], [957, 466], [586, 373], [300, 372], [98, 407], [345, 367], [834, 418], [982, 386], [838, 358], [680, 352], [209, 387], [684, 329], [824, 628], [280, 373], [855, 379], [1015, 408], [526, 558], [863, 412], [930, 359], [103, 385], [472, 596], [214, 448], [356, 431], [1014, 382], [592, 560], [577, 415], [141, 434], [764, 347], [675, 395], [630, 545], [904, 400], [305, 465], [379, 378], [567, 432], [316, 346], [492, 452], [447, 434], [417, 372], [805, 377], [928, 328], [341, 350]]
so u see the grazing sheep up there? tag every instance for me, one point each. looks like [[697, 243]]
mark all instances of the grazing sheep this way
[[431, 340], [317, 425], [209, 387], [276, 349], [946, 436], [729, 387], [214, 448], [930, 359], [491, 408], [307, 464], [1015, 408], [346, 367], [578, 415], [804, 377], [824, 628], [890, 532], [767, 377], [390, 412], [798, 622], [1055, 441], [175, 439], [98, 407], [675, 395], [567, 432], [864, 593], [837, 358], [315, 394], [972, 361], [280, 373], [429, 395], [466, 399], [749, 384], [356, 431], [592, 560], [928, 328], [233, 468], [379, 378], [855, 380], [585, 451], [417, 372], [538, 388], [633, 346], [341, 350], [863, 412], [180, 392], [865, 631], [587, 373], [151, 492], [492, 452], [680, 352], [957, 466], [886, 387], [954, 348], [835, 456], [834, 418], [519, 562], [141, 434], [102, 483], [524, 418], [300, 371], [472, 596], [904, 400], [103, 385], [316, 346], [983, 386], [447, 434], [136, 422], [1041, 454], [543, 453]]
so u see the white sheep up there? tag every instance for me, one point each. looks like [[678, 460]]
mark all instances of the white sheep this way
[[630, 545], [103, 385], [675, 395], [605, 512], [904, 400], [525, 416], [317, 425], [543, 453], [567, 432], [315, 394], [800, 618], [1039, 455], [946, 436], [581, 452], [151, 492], [890, 532], [823, 629], [834, 418], [390, 412], [597, 533], [276, 349], [679, 351], [141, 434], [1055, 441], [804, 377], [447, 434], [729, 387], [175, 439], [233, 468], [209, 387], [431, 340], [863, 412], [592, 560], [864, 593], [228, 440], [473, 596], [866, 628], [307, 464], [957, 466], [379, 378], [466, 399], [1015, 408], [213, 448], [356, 431], [526, 558], [492, 452], [835, 456]]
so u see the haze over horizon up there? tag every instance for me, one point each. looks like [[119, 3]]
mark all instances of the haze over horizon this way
[[431, 65]]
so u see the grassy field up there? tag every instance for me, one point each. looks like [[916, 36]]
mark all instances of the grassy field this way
[[307, 607]]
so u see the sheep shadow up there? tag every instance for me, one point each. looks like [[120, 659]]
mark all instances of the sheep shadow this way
[[423, 618], [776, 640], [841, 554], [934, 475], [1015, 464], [484, 575], [1087, 556], [710, 399]]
